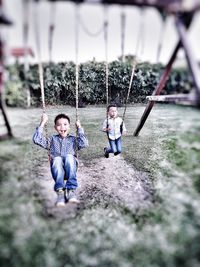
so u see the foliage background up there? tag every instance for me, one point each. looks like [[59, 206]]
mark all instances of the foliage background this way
[[59, 82]]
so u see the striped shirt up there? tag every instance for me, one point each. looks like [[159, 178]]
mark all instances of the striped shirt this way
[[114, 124], [59, 146]]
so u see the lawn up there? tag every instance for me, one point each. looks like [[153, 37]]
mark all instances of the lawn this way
[[166, 233]]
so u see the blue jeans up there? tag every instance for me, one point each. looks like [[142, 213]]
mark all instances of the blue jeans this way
[[115, 146], [62, 167]]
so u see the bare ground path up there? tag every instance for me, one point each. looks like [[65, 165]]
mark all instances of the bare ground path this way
[[102, 182]]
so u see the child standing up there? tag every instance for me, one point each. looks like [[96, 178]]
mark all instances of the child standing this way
[[63, 161], [114, 127]]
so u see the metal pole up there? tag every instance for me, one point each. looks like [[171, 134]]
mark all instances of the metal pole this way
[[2, 107], [106, 51], [51, 29], [123, 24], [158, 89], [25, 40], [192, 64], [77, 57]]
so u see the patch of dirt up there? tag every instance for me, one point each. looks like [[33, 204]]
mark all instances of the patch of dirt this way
[[103, 183]]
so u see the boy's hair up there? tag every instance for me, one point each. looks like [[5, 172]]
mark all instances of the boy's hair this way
[[111, 106], [61, 116]]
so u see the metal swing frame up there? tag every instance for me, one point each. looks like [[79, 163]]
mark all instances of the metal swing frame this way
[[183, 14], [183, 11]]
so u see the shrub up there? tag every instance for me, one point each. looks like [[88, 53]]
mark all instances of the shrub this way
[[60, 83]]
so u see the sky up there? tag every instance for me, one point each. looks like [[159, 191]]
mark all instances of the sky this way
[[92, 16]]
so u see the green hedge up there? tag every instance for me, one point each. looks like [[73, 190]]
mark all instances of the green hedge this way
[[59, 83]]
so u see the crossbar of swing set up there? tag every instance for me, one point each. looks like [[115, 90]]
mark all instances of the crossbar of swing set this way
[[170, 5]]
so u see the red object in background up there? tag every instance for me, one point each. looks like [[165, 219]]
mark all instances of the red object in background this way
[[20, 52]]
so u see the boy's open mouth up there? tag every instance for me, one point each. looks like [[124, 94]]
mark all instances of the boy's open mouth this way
[[63, 131]]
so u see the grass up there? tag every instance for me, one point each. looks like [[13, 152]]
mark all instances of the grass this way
[[167, 234]]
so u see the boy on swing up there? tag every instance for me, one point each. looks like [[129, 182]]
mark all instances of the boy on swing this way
[[114, 127], [62, 148]]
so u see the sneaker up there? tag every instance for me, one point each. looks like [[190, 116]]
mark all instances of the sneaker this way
[[106, 154], [71, 196], [60, 202]]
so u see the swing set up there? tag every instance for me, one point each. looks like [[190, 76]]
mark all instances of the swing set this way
[[183, 13], [4, 21]]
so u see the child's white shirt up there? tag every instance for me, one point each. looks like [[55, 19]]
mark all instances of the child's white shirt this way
[[114, 124]]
